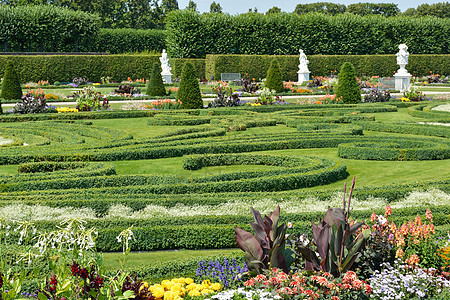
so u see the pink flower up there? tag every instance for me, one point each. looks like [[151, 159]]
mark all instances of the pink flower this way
[[368, 288], [250, 282], [349, 277], [357, 284], [260, 278]]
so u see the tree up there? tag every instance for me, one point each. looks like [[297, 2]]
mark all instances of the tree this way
[[189, 90], [274, 80], [321, 7], [348, 87], [440, 10], [410, 12], [364, 9], [215, 8], [273, 10], [192, 5], [169, 5], [155, 86], [11, 89]]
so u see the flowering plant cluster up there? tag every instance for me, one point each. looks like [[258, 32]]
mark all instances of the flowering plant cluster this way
[[248, 86], [310, 285], [227, 274], [166, 104], [89, 100], [411, 241], [66, 109], [414, 95], [329, 99], [403, 282], [225, 96], [178, 288], [266, 96], [290, 86]]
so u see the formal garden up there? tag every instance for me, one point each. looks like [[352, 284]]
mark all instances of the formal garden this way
[[224, 169]]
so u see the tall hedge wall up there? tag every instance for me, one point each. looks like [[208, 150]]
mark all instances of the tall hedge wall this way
[[117, 41], [64, 68], [320, 65], [190, 34], [45, 28]]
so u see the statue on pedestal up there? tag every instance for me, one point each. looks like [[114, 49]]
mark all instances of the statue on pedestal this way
[[303, 66], [303, 72], [402, 77], [165, 63]]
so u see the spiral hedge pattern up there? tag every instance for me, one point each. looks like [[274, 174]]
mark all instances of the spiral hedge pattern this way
[[70, 163]]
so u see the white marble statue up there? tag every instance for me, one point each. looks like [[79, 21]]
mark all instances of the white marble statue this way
[[402, 55], [303, 66], [165, 64]]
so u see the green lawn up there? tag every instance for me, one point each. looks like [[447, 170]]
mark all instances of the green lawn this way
[[112, 261]]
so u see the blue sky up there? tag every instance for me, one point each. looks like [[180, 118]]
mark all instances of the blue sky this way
[[240, 6]]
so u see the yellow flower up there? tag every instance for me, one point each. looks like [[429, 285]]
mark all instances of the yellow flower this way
[[96, 83], [178, 288], [404, 99], [191, 286], [157, 291], [216, 286], [207, 291], [188, 280], [168, 295], [194, 293], [167, 284]]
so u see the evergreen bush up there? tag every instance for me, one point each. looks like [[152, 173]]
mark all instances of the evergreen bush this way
[[11, 89], [348, 87], [155, 86], [274, 80], [189, 91]]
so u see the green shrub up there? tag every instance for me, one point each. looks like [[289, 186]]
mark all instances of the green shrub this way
[[189, 91], [155, 86], [348, 87], [394, 150], [274, 79], [47, 28], [11, 89]]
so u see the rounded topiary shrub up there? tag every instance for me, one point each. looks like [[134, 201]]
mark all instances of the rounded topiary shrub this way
[[348, 87], [11, 89], [189, 91], [155, 86], [274, 80]]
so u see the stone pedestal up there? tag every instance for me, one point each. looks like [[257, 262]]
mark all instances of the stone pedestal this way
[[402, 81], [167, 78], [303, 76]]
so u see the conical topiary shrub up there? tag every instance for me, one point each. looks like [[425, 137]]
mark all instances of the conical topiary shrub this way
[[155, 86], [348, 87], [11, 89], [274, 80], [189, 91]]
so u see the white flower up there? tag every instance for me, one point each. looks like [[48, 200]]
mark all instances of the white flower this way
[[381, 220], [289, 225]]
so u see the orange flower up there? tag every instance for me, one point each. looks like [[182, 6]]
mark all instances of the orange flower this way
[[387, 211], [399, 253], [429, 215], [413, 260], [418, 221]]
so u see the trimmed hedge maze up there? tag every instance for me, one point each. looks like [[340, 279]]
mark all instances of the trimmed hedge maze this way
[[71, 164]]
